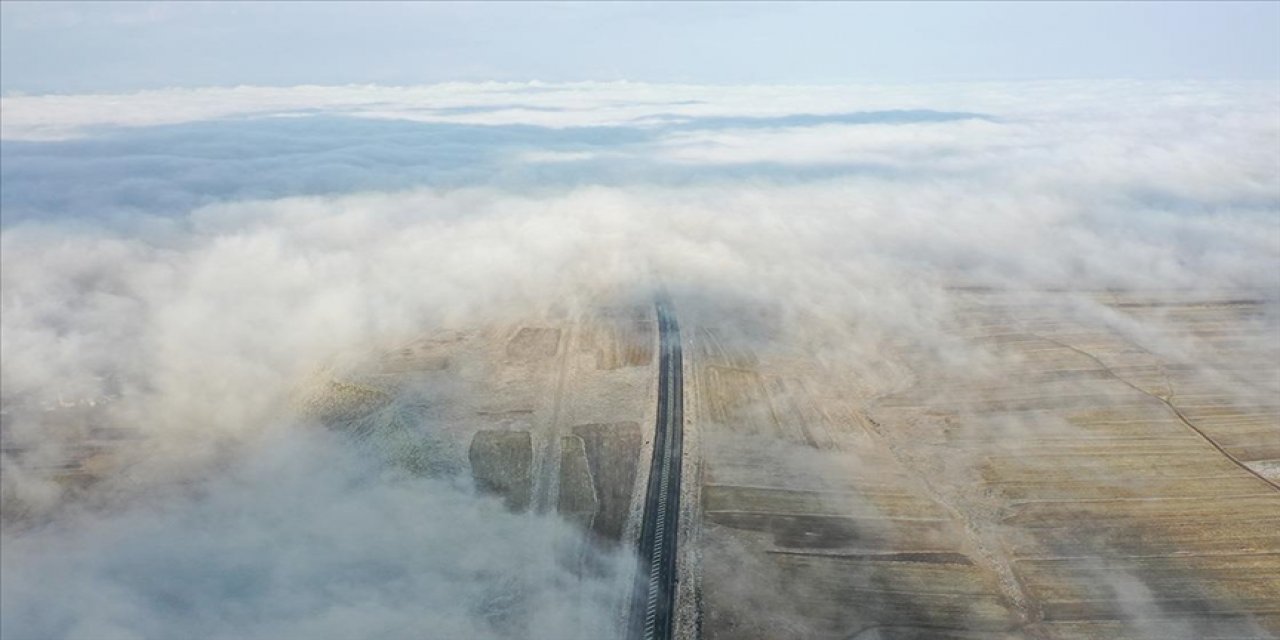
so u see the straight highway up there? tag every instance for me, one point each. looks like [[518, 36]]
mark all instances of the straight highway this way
[[653, 605]]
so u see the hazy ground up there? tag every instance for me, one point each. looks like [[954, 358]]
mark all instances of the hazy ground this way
[[1063, 481]]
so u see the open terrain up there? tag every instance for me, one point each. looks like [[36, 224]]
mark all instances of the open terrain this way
[[1082, 476], [1072, 483], [1076, 475]]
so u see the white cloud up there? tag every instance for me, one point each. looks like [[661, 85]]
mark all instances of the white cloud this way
[[43, 117], [304, 539], [204, 311]]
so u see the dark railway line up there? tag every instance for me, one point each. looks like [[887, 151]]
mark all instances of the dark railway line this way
[[653, 603]]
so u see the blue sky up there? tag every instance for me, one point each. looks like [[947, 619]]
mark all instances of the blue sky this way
[[212, 261], [74, 47]]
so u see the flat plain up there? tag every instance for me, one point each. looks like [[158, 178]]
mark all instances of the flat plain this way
[[1068, 483], [1054, 465]]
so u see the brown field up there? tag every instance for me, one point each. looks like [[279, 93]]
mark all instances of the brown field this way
[[1065, 480], [1077, 484]]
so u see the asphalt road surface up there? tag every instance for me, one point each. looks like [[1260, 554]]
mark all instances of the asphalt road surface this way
[[653, 607]]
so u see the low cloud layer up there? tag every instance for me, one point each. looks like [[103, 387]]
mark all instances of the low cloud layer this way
[[305, 539], [183, 259]]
